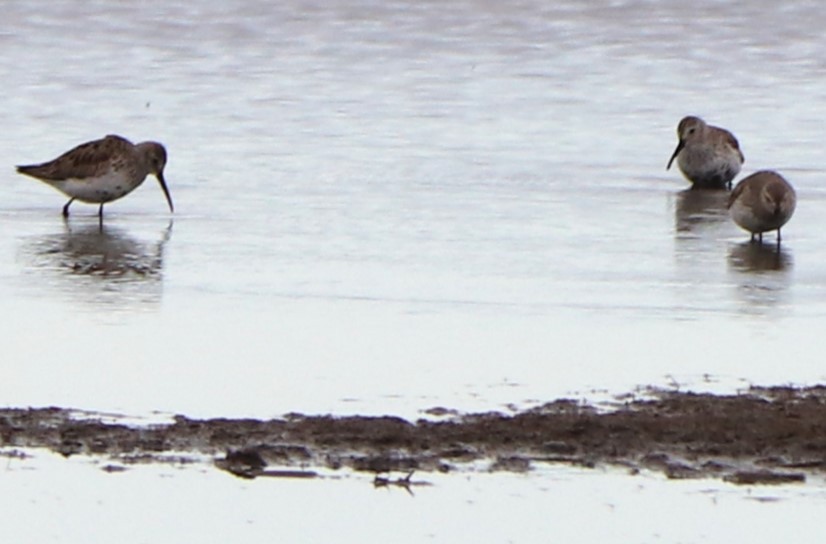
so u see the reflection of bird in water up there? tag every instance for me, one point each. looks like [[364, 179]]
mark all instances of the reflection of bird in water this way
[[103, 251], [762, 275], [118, 267], [699, 208], [748, 257]]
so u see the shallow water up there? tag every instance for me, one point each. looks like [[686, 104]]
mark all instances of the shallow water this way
[[384, 207], [387, 206], [157, 504]]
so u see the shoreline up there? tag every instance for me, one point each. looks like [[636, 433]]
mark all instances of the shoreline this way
[[764, 435]]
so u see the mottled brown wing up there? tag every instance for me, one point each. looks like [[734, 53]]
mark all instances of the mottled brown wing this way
[[84, 161], [732, 141]]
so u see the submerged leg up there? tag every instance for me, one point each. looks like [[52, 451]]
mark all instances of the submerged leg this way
[[66, 207]]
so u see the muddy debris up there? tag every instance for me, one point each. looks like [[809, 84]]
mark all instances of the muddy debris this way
[[762, 436], [405, 482], [249, 463], [764, 477]]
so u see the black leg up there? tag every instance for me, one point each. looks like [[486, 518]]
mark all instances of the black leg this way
[[66, 207]]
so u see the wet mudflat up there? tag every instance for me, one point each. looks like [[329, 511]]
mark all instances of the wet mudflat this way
[[759, 436]]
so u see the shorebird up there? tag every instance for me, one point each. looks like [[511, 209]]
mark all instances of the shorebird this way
[[762, 202], [103, 170], [708, 156]]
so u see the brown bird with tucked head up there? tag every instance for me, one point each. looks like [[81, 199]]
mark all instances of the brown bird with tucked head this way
[[762, 202]]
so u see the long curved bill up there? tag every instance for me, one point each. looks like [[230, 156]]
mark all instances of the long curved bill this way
[[166, 192], [680, 146]]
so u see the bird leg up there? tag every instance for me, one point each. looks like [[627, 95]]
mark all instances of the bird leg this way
[[66, 207]]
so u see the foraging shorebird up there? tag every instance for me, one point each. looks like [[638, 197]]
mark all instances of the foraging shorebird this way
[[708, 156], [103, 170], [762, 202]]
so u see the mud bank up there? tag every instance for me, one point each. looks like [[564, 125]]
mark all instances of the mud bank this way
[[761, 436]]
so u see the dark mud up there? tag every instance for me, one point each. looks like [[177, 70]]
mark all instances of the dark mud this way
[[761, 436]]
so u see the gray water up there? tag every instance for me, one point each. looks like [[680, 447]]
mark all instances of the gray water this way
[[383, 207]]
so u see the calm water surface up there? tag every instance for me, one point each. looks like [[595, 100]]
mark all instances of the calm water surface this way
[[171, 504], [387, 206]]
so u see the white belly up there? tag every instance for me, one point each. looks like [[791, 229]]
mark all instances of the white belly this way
[[709, 164], [97, 190]]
